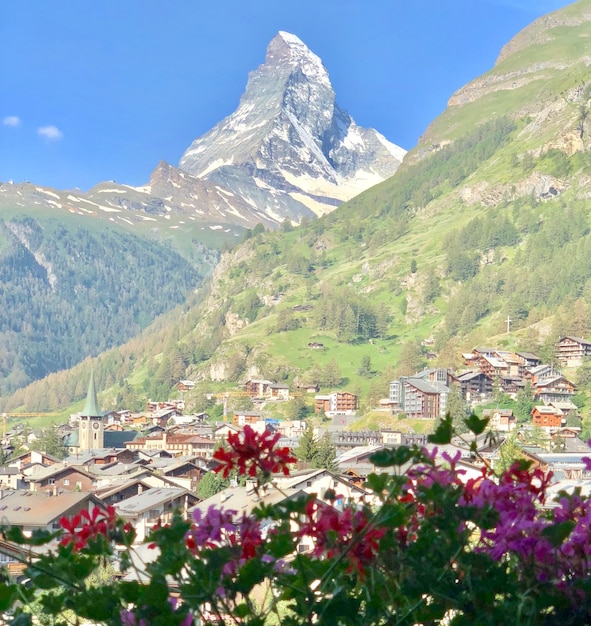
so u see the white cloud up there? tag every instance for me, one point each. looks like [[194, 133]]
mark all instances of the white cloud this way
[[11, 120], [53, 133]]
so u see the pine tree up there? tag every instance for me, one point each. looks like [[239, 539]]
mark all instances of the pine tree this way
[[308, 446], [327, 453]]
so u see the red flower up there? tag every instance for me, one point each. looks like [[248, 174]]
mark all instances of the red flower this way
[[94, 523], [251, 452]]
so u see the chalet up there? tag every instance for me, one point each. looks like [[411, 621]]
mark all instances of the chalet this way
[[240, 418], [511, 385], [571, 351], [512, 361], [152, 506], [547, 417], [528, 360], [63, 477], [493, 367], [336, 402], [185, 385], [11, 478], [169, 405], [257, 388], [475, 385], [222, 430], [292, 429], [540, 372], [32, 457], [309, 387], [556, 389], [279, 391], [501, 420]]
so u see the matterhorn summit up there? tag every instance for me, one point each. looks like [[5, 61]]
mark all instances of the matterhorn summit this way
[[289, 151]]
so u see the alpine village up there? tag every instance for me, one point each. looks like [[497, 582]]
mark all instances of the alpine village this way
[[343, 293]]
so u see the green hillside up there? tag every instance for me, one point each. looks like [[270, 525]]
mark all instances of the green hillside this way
[[487, 219]]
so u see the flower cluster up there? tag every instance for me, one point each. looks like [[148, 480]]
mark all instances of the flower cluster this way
[[86, 526], [251, 452]]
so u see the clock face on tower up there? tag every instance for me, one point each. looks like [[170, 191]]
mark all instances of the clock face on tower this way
[[83, 424], [95, 425]]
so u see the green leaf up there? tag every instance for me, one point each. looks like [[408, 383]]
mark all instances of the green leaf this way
[[377, 482], [393, 456], [557, 533], [444, 431], [6, 596], [476, 424]]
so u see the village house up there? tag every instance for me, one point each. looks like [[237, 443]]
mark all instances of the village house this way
[[475, 385], [154, 506], [279, 391], [502, 420], [554, 389], [38, 510], [176, 444], [257, 388], [240, 418], [185, 385], [548, 418], [571, 351], [11, 478], [337, 402], [61, 476]]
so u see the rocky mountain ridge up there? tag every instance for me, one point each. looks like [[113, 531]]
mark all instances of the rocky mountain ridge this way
[[288, 152]]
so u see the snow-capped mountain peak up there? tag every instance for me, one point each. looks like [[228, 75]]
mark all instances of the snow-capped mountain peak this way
[[289, 149]]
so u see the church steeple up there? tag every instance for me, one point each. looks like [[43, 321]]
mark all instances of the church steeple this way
[[91, 433], [91, 408]]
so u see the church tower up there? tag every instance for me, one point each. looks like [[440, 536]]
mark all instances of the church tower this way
[[91, 435]]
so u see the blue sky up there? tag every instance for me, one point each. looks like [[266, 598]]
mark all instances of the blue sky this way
[[94, 90]]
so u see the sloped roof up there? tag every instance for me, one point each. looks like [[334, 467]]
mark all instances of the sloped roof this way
[[91, 407]]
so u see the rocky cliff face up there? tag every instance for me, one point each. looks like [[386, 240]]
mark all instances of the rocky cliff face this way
[[289, 148]]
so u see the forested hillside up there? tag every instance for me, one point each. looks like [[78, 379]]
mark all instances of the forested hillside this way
[[69, 292]]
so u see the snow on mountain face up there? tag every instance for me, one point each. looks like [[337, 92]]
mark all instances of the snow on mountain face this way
[[289, 148]]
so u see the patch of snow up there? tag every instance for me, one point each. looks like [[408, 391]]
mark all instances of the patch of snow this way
[[47, 193], [396, 151], [216, 227], [144, 189], [353, 139], [111, 191], [124, 219], [173, 227], [59, 205], [214, 165], [224, 191], [108, 209], [148, 219]]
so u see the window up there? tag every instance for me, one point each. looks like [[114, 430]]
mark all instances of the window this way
[[51, 481], [66, 482]]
